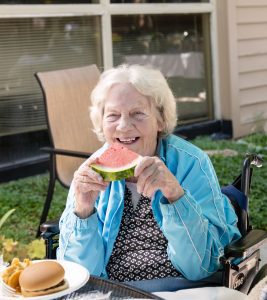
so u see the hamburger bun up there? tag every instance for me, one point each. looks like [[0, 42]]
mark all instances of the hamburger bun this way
[[42, 278]]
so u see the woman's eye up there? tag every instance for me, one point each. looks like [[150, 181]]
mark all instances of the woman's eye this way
[[138, 114], [112, 117]]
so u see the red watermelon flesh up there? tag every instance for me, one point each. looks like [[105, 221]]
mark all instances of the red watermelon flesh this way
[[116, 163], [117, 156]]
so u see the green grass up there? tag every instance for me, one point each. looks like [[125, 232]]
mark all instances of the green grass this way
[[227, 168], [28, 195]]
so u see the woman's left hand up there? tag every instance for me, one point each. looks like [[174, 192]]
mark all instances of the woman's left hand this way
[[152, 175]]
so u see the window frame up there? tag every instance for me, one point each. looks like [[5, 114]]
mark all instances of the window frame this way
[[106, 10]]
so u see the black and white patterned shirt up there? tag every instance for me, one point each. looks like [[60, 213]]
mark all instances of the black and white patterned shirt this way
[[140, 250]]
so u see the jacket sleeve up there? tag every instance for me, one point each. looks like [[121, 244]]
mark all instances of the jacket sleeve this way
[[201, 223], [80, 240]]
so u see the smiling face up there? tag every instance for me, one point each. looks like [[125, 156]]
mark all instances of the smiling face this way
[[131, 119]]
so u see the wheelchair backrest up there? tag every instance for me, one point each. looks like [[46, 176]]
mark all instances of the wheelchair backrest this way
[[239, 202], [238, 192]]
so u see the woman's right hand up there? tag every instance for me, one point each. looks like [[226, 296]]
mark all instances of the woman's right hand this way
[[87, 185]]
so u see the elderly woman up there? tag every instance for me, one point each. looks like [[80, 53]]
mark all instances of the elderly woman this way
[[170, 221]]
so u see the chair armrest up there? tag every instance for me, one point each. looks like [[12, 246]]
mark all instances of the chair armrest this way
[[246, 245], [65, 152], [49, 227]]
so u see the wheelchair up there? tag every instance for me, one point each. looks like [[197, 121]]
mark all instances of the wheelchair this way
[[240, 265]]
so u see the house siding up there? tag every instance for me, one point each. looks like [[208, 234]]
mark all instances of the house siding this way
[[247, 33]]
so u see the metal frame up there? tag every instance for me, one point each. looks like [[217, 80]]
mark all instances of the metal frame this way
[[53, 177], [239, 276], [106, 10]]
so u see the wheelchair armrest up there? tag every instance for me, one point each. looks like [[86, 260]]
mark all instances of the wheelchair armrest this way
[[246, 245], [49, 228], [50, 234], [65, 152]]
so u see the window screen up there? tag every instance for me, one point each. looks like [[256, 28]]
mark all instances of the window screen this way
[[30, 45]]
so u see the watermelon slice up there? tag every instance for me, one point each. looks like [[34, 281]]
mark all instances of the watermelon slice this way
[[116, 163]]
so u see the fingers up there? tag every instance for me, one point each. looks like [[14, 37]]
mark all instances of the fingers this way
[[90, 161], [145, 177], [86, 179], [87, 187], [154, 175], [149, 173], [143, 164], [87, 174]]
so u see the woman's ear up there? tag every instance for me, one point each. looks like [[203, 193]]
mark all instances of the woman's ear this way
[[160, 125]]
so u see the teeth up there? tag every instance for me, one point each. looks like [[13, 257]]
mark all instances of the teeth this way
[[127, 140]]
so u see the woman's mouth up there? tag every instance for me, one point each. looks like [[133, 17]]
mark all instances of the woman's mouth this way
[[127, 140]]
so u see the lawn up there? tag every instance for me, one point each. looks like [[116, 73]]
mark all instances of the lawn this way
[[28, 195]]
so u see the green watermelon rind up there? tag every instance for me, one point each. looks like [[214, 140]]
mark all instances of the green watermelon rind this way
[[113, 174]]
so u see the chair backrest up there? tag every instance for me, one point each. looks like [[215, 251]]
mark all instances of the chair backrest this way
[[67, 98]]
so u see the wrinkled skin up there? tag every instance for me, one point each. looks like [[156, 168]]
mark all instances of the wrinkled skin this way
[[130, 119], [152, 175], [87, 184]]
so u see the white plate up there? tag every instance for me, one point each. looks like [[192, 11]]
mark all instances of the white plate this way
[[75, 274]]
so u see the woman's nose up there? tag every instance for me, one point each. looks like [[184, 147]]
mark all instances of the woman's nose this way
[[124, 123]]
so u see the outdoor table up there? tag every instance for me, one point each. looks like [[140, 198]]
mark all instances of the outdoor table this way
[[118, 290]]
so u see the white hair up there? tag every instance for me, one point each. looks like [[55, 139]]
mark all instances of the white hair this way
[[149, 82]]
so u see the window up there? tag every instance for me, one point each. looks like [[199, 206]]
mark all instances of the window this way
[[175, 44], [172, 35], [48, 1], [29, 45]]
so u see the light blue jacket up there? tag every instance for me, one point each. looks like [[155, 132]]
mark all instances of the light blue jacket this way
[[198, 226]]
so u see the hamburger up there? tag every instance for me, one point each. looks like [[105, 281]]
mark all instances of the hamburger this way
[[42, 278]]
